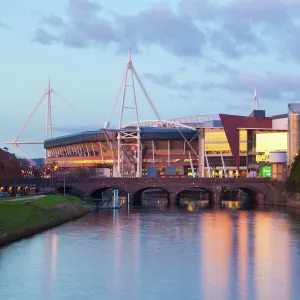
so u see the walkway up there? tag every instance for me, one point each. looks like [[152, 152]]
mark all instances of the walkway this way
[[26, 198]]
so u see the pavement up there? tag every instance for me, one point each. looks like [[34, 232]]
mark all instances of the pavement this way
[[26, 198]]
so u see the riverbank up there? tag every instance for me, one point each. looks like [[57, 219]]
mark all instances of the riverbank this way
[[20, 218], [292, 204]]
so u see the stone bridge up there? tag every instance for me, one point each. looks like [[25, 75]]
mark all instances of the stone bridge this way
[[267, 191]]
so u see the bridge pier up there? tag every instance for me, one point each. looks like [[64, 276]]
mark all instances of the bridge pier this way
[[173, 199], [216, 198]]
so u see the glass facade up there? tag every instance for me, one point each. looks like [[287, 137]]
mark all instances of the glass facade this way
[[243, 141], [269, 141], [216, 142]]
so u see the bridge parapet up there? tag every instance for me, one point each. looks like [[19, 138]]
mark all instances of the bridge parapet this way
[[173, 186]]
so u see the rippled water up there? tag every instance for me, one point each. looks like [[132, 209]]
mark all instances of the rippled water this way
[[159, 254]]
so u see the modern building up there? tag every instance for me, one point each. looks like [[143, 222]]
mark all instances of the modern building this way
[[205, 146]]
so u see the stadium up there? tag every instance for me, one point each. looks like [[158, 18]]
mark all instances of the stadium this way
[[203, 146], [215, 146], [197, 146]]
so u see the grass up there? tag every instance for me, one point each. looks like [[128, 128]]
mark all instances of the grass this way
[[19, 219]]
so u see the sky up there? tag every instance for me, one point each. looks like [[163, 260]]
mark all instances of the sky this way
[[194, 57]]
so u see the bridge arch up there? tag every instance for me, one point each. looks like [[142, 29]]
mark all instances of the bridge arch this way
[[196, 193], [136, 195], [250, 194], [71, 190], [97, 191]]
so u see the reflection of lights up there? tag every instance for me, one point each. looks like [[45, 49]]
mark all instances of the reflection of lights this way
[[53, 253], [231, 204], [243, 254], [272, 256], [216, 251], [51, 256]]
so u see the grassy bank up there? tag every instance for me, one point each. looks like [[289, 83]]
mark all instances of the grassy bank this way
[[18, 220], [293, 203]]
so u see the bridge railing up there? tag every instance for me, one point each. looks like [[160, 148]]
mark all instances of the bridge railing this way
[[162, 180]]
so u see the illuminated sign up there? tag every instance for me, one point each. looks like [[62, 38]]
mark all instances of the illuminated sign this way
[[262, 158], [265, 172]]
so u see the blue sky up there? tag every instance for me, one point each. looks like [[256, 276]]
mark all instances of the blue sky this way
[[193, 56]]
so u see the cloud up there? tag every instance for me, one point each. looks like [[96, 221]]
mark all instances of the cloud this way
[[271, 87], [168, 81], [3, 25], [240, 27], [54, 21], [43, 37], [83, 26], [175, 33], [217, 67], [234, 28]]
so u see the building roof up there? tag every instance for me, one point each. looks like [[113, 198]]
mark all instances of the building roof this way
[[197, 120], [147, 133], [281, 116]]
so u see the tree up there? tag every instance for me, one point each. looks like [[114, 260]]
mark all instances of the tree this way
[[292, 183]]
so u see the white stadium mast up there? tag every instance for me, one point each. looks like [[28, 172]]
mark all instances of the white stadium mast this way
[[15, 143], [133, 74], [255, 104], [129, 161], [48, 132]]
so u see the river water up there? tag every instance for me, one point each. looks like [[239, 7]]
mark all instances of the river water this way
[[145, 254]]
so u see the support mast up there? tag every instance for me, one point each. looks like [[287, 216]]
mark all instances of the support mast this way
[[255, 101], [49, 113], [135, 156]]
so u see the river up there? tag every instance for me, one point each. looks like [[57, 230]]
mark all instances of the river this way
[[145, 254]]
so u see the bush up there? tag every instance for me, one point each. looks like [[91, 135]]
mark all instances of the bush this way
[[292, 183]]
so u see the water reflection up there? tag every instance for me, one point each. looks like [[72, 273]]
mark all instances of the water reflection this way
[[196, 206], [193, 206], [50, 253], [272, 251], [243, 255], [216, 244], [159, 254], [236, 205]]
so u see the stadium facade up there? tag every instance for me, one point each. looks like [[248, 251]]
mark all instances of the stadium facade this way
[[204, 146]]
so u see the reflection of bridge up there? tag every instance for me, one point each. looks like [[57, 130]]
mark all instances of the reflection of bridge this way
[[267, 190]]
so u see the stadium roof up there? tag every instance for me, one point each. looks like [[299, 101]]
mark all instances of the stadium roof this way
[[198, 119], [147, 133]]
